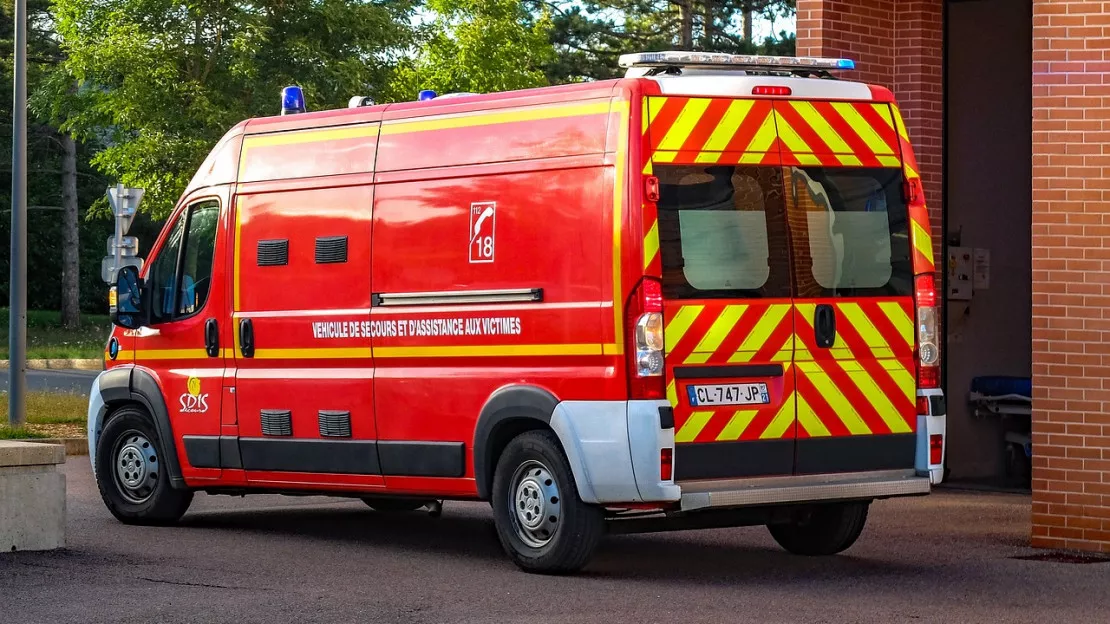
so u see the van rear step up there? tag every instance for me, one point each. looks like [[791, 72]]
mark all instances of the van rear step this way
[[801, 489]]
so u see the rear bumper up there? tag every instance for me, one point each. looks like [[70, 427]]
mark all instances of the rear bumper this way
[[801, 489]]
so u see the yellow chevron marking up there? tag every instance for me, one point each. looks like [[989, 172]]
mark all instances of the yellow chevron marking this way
[[655, 105], [922, 241], [763, 139], [801, 353], [848, 160], [791, 139], [840, 405], [862, 127], [716, 334], [890, 161], [900, 124], [901, 321], [821, 126], [875, 396], [693, 426], [782, 421], [645, 120], [736, 427], [862, 324], [786, 354], [691, 114], [841, 353], [672, 394], [884, 111], [647, 168], [902, 378], [651, 243], [761, 333], [664, 157], [707, 157], [808, 159], [679, 325], [809, 421], [725, 131]]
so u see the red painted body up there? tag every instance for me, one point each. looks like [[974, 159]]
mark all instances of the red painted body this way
[[565, 168]]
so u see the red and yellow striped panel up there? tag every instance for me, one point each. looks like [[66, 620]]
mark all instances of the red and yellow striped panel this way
[[764, 132], [837, 134], [923, 259], [717, 333], [865, 383]]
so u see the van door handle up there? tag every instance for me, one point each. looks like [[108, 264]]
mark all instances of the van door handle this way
[[212, 337], [246, 337], [824, 326]]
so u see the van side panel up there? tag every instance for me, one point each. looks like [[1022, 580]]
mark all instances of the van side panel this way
[[487, 276], [305, 393]]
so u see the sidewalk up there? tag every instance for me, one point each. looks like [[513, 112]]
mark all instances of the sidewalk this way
[[60, 364]]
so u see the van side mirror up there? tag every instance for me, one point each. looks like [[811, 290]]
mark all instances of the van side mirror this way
[[129, 309]]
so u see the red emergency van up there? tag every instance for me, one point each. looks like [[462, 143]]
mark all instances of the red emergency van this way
[[701, 295]]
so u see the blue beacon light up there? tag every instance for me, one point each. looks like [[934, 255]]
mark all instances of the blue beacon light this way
[[846, 64], [426, 94], [292, 100]]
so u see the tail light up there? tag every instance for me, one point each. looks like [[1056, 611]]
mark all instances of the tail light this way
[[936, 448], [645, 338], [666, 464], [928, 345], [772, 90]]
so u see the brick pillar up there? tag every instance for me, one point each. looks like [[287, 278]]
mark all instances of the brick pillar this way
[[1071, 275], [907, 60]]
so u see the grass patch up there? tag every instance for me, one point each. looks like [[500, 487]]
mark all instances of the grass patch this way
[[47, 339], [20, 434], [51, 408]]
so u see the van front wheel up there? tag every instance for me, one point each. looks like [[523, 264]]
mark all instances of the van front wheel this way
[[541, 522], [825, 530], [131, 472]]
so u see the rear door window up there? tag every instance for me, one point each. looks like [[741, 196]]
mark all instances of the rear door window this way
[[722, 232], [850, 232]]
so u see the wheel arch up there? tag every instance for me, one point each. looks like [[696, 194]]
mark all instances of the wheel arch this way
[[130, 386], [509, 412]]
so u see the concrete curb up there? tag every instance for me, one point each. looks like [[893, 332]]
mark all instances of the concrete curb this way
[[60, 364], [73, 446]]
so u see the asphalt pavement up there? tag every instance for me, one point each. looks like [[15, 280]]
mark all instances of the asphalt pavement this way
[[949, 557], [72, 381]]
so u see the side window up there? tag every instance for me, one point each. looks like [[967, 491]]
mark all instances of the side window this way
[[181, 276], [722, 232]]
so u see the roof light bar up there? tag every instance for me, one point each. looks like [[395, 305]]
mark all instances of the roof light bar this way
[[739, 61]]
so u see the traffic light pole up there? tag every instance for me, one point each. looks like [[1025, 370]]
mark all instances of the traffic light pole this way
[[17, 319]]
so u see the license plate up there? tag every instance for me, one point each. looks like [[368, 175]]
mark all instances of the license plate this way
[[728, 394]]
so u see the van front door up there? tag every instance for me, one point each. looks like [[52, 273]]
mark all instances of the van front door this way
[[182, 348]]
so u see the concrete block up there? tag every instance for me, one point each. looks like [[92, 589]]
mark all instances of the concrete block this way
[[32, 496]]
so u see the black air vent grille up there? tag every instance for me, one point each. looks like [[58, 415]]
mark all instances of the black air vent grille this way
[[335, 424], [277, 423], [331, 249], [273, 252]]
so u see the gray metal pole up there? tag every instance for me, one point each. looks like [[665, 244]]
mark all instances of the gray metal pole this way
[[17, 323]]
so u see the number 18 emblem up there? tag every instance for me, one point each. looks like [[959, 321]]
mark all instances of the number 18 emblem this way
[[483, 219]]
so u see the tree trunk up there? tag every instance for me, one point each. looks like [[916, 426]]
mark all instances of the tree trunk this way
[[686, 34], [749, 18], [710, 12], [71, 268]]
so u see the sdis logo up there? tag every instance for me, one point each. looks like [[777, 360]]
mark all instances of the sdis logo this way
[[193, 402]]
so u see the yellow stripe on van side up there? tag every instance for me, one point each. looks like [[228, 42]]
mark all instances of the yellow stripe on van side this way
[[488, 118], [619, 187], [550, 350]]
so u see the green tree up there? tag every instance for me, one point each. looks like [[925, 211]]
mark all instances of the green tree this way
[[589, 35], [478, 46], [158, 81]]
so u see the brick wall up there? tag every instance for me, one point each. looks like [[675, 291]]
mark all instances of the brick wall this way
[[1071, 275], [907, 61]]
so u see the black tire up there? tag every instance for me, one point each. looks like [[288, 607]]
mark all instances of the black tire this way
[[152, 501], [535, 459], [390, 505], [826, 530]]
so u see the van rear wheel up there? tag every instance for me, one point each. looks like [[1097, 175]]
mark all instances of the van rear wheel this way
[[541, 522], [825, 530], [131, 472]]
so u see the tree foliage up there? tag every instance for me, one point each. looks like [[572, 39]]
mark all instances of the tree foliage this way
[[160, 81], [479, 46]]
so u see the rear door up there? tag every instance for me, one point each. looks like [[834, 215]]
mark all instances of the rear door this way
[[724, 254], [853, 284]]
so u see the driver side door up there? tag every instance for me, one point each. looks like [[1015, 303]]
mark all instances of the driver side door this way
[[186, 304]]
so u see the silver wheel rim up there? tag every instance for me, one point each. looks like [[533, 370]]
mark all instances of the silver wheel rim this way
[[535, 505], [136, 467]]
